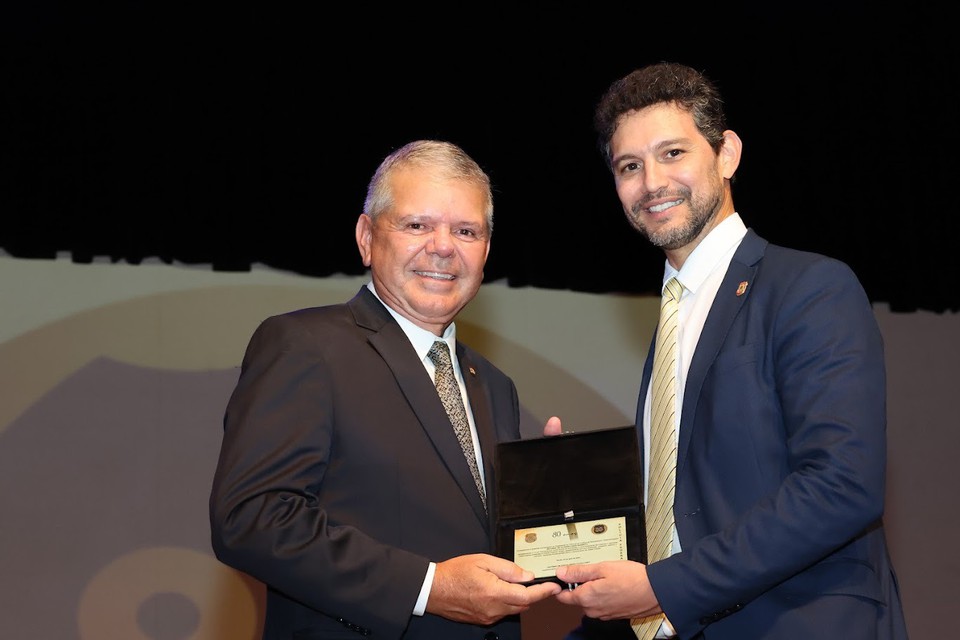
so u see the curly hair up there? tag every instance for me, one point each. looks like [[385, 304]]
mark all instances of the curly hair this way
[[663, 82]]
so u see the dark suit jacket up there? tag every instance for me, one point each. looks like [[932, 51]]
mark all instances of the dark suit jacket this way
[[782, 460], [340, 476]]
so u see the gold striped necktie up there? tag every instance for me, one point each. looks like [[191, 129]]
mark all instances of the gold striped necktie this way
[[663, 444]]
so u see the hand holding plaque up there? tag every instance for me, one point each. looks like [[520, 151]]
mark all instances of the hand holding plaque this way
[[569, 499]]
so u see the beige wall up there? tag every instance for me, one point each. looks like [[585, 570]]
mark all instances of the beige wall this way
[[113, 379]]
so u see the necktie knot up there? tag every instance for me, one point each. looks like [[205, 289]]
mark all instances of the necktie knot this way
[[673, 288], [439, 354]]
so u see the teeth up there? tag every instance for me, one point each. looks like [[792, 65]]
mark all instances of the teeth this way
[[663, 207], [434, 274]]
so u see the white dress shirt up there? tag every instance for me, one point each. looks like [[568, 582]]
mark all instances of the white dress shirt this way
[[700, 276]]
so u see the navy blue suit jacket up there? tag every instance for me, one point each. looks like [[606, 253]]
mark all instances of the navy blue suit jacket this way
[[340, 476], [782, 460]]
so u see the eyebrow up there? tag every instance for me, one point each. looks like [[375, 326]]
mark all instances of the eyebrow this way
[[657, 147]]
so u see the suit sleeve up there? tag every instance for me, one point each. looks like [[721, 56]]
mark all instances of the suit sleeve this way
[[265, 516], [803, 417]]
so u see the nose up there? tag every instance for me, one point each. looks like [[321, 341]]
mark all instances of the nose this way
[[441, 242], [654, 178]]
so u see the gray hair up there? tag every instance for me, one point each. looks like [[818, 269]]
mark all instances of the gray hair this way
[[445, 159]]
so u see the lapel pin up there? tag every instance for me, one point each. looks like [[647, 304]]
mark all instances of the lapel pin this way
[[473, 371], [742, 288]]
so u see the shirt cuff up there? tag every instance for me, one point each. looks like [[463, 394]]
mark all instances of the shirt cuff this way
[[421, 607]]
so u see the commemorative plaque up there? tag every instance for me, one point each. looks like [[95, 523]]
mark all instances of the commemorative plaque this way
[[574, 498]]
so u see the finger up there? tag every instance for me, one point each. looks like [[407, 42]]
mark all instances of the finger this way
[[524, 597], [577, 573], [543, 590], [506, 570], [553, 427], [568, 597]]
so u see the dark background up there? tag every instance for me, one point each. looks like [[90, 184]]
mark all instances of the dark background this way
[[245, 134]]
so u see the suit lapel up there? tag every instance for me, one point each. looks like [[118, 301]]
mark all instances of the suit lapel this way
[[394, 347], [733, 294]]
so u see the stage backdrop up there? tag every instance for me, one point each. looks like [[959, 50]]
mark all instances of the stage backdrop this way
[[113, 381]]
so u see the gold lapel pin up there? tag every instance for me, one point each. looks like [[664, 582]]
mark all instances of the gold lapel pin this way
[[473, 371], [742, 288]]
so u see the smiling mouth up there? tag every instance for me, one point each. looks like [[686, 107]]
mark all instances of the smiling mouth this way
[[657, 208], [436, 275]]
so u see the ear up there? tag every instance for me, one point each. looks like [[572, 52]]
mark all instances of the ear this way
[[364, 237], [730, 153]]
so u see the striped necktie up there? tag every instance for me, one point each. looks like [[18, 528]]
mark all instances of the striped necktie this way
[[663, 444]]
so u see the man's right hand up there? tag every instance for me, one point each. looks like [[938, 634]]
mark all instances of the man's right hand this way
[[482, 589]]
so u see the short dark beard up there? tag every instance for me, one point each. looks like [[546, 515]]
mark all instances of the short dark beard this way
[[702, 211]]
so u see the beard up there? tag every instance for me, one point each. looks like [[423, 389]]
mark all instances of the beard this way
[[703, 208]]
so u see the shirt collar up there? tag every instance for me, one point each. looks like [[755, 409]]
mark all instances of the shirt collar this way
[[420, 338], [707, 255]]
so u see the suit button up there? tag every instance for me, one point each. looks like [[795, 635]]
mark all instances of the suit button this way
[[491, 635]]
